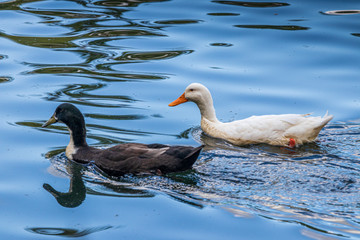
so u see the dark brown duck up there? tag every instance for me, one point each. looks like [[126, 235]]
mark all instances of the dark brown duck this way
[[124, 158]]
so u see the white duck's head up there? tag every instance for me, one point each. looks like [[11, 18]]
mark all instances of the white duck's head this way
[[200, 95]]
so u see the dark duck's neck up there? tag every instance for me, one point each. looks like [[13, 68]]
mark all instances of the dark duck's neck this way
[[77, 129], [76, 126]]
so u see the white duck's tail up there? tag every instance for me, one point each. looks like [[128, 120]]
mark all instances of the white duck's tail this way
[[319, 123], [326, 118], [323, 121]]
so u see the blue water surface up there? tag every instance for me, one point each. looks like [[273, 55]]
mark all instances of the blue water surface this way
[[122, 62]]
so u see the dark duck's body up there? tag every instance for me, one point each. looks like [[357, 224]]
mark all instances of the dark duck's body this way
[[123, 158]]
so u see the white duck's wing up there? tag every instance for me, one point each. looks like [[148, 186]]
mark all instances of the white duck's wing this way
[[308, 128], [257, 129]]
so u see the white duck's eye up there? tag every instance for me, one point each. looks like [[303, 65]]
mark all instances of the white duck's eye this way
[[191, 89]]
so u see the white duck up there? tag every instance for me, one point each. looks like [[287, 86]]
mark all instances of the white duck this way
[[283, 130]]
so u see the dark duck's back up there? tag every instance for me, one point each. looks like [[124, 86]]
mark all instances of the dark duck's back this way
[[124, 158], [140, 158]]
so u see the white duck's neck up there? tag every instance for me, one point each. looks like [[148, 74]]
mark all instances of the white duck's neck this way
[[207, 109]]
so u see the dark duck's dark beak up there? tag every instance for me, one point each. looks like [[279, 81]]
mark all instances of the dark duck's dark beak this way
[[50, 121]]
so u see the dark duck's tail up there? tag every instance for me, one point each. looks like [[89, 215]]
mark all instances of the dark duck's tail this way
[[183, 158], [190, 159]]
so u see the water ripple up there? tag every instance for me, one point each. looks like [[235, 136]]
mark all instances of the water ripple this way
[[66, 232], [274, 27], [126, 3], [105, 74], [78, 94], [342, 12], [254, 4], [310, 185], [172, 22], [4, 79], [146, 56]]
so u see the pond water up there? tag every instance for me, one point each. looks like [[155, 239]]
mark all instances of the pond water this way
[[122, 62]]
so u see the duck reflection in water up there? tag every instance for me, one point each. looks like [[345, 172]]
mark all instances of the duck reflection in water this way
[[78, 174], [77, 190]]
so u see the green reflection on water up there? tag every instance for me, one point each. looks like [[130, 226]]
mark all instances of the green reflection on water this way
[[114, 76], [154, 55], [5, 79], [78, 94]]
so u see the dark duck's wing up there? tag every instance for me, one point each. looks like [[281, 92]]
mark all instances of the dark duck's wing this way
[[141, 158]]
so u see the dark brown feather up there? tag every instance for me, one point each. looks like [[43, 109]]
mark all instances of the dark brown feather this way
[[139, 158]]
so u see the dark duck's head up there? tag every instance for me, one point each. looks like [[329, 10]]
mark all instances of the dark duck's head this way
[[74, 120]]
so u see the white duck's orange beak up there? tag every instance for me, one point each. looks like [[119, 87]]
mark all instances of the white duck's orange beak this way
[[178, 101]]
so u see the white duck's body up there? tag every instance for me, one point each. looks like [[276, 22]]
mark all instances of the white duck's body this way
[[283, 130], [270, 129]]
